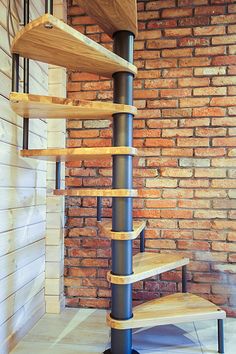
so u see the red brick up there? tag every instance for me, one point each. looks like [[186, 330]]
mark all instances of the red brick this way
[[175, 53], [149, 34], [209, 30], [209, 10], [193, 82], [158, 161], [194, 102], [224, 141], [159, 142], [159, 83], [224, 60], [156, 5], [223, 101], [210, 91], [173, 13], [193, 42], [177, 32], [223, 19], [161, 43], [194, 245], [211, 51], [195, 62], [209, 112], [161, 24], [162, 103], [161, 63], [178, 72], [160, 203], [176, 92], [192, 142]]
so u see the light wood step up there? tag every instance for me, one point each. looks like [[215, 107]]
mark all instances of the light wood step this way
[[37, 106], [72, 154], [106, 226], [96, 192], [52, 41], [171, 309], [112, 15], [148, 264]]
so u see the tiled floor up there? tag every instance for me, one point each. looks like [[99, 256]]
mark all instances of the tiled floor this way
[[83, 331]]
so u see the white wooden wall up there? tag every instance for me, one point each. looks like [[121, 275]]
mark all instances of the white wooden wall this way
[[30, 222], [55, 205]]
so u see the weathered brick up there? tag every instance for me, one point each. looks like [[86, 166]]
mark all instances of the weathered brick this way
[[185, 128], [173, 13]]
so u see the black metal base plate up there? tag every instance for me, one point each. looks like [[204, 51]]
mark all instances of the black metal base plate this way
[[108, 351]]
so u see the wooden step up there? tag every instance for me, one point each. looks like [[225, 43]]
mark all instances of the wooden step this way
[[72, 154], [112, 15], [148, 264], [52, 41], [171, 309], [96, 192], [36, 106], [106, 227]]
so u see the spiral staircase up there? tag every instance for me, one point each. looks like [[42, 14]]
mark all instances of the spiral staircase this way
[[52, 41]]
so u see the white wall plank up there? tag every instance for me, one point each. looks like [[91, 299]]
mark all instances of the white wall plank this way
[[13, 240], [9, 285], [18, 259]]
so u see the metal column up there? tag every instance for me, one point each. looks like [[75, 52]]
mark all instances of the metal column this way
[[220, 336], [122, 220], [49, 7], [26, 81], [184, 279]]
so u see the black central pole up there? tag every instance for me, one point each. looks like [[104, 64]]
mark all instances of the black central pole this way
[[122, 220], [26, 81], [49, 7]]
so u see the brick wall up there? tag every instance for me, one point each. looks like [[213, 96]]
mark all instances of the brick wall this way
[[185, 92]]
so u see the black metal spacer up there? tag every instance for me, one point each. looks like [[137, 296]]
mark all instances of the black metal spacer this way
[[108, 351]]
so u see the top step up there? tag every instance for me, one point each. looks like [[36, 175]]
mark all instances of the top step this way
[[52, 41], [113, 15]]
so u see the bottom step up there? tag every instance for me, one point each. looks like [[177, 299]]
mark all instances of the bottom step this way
[[171, 309]]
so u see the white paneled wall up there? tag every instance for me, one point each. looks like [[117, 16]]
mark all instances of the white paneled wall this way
[[31, 222], [55, 205]]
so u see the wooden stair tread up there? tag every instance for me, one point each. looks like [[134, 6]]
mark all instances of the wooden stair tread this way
[[112, 15], [106, 226], [171, 309], [96, 192], [71, 154], [37, 106], [52, 41], [148, 264]]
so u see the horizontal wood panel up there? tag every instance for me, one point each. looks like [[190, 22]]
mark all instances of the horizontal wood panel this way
[[12, 134], [20, 177], [11, 284], [171, 309], [47, 35], [14, 302], [18, 259], [13, 240], [21, 322], [14, 218], [37, 126], [37, 106], [21, 197]]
